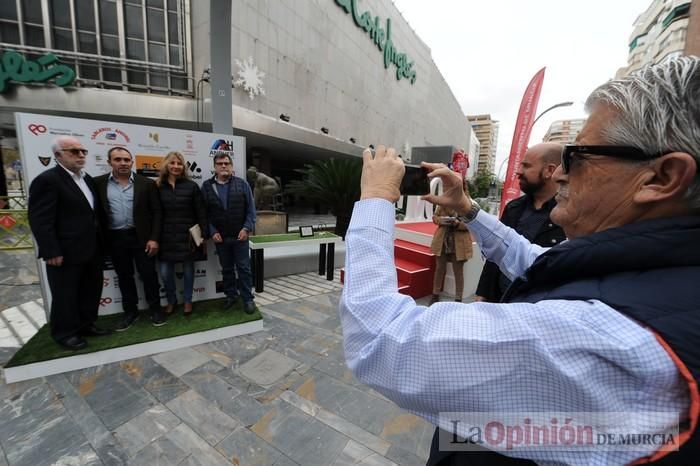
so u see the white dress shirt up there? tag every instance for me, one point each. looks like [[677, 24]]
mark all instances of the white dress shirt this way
[[80, 181]]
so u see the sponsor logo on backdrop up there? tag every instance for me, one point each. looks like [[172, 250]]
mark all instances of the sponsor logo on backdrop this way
[[148, 165], [155, 137], [105, 301], [221, 146], [36, 129], [110, 134], [200, 273], [45, 161], [199, 289], [219, 286], [105, 282], [195, 171]]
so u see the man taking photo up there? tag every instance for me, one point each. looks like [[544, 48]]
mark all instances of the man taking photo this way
[[605, 324]]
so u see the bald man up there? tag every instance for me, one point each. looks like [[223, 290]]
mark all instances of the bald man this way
[[529, 214], [66, 221]]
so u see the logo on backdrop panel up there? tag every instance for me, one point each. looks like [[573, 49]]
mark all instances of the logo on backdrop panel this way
[[36, 129], [148, 165], [110, 136]]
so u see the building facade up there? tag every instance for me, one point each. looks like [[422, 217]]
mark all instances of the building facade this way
[[692, 39], [486, 131], [660, 33], [312, 79], [564, 131]]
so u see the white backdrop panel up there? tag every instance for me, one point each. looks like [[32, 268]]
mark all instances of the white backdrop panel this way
[[149, 145]]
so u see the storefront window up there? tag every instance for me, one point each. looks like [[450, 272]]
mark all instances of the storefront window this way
[[108, 17], [62, 39], [60, 13], [150, 55], [85, 15], [31, 11]]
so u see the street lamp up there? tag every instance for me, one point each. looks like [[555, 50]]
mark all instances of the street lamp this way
[[560, 104]]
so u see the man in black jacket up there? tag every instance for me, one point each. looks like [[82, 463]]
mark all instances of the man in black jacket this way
[[133, 211], [529, 214], [231, 213], [65, 218]]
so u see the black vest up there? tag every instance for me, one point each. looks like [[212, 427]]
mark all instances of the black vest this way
[[228, 222], [649, 271]]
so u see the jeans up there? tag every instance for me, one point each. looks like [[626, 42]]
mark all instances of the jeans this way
[[126, 251], [234, 257], [167, 272]]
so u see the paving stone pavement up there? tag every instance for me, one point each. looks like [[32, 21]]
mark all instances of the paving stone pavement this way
[[282, 396]]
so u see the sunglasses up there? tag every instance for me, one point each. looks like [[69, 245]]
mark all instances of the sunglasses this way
[[618, 152], [76, 151]]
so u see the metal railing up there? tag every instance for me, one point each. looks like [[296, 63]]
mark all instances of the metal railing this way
[[14, 224]]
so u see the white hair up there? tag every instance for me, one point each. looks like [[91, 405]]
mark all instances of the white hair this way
[[57, 143], [658, 111]]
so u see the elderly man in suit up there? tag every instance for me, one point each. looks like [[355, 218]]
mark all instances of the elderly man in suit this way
[[66, 221], [133, 210]]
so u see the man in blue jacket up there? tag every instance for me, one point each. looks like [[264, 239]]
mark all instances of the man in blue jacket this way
[[231, 213]]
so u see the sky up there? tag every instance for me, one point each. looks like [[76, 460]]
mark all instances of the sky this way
[[488, 50]]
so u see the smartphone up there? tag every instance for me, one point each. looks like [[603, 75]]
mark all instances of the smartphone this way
[[415, 181]]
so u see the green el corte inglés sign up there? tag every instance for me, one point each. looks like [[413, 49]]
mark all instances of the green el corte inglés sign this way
[[14, 67], [382, 39]]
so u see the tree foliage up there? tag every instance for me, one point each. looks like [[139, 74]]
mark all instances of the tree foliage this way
[[479, 185], [332, 183]]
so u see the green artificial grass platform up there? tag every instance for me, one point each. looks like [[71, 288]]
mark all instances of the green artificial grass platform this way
[[206, 315], [258, 239]]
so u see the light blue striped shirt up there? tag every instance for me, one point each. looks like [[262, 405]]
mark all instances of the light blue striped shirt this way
[[121, 203], [551, 356]]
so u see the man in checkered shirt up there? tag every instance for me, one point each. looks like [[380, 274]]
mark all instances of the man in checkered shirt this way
[[604, 326]]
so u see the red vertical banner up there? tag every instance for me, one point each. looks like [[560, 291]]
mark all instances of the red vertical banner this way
[[521, 135]]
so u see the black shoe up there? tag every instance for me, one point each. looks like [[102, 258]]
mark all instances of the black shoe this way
[[158, 318], [230, 302], [249, 308], [73, 343], [126, 322], [94, 331]]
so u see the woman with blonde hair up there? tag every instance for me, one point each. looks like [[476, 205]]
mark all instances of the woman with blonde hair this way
[[451, 243], [183, 207]]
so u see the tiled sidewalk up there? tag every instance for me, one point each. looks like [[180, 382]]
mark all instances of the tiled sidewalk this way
[[282, 396]]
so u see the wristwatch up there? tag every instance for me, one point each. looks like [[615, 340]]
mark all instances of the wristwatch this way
[[471, 215]]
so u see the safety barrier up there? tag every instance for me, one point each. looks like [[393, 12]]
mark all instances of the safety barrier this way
[[14, 224]]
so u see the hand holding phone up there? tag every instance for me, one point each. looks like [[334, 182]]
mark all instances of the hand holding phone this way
[[415, 181]]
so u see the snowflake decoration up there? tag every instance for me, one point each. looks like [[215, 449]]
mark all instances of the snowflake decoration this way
[[250, 78]]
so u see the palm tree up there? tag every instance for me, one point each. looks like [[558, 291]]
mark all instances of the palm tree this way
[[332, 183]]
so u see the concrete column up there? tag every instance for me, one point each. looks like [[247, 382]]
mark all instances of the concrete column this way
[[220, 80]]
